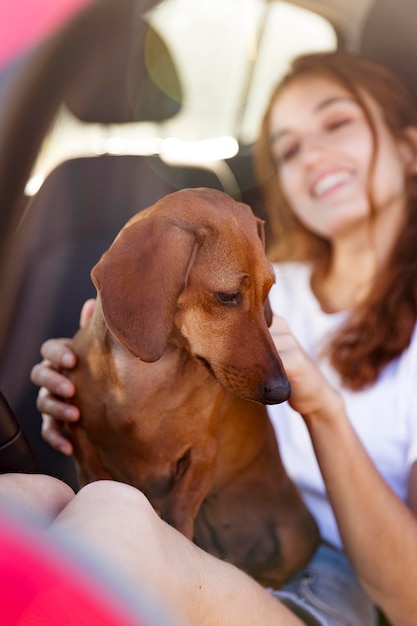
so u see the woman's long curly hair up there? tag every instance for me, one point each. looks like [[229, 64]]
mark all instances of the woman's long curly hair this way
[[380, 328]]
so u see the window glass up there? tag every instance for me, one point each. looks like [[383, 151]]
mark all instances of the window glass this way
[[229, 54]]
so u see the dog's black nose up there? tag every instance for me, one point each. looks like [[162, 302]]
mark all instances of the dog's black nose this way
[[277, 391]]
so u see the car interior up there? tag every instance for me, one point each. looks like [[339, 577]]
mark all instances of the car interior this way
[[124, 103]]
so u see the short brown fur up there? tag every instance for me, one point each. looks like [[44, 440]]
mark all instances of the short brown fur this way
[[173, 373]]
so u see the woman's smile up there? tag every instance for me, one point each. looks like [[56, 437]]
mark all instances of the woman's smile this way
[[325, 184], [333, 169]]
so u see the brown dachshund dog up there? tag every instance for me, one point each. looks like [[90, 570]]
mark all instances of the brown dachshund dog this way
[[174, 370]]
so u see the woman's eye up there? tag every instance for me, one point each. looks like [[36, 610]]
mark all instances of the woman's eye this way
[[229, 299], [287, 154], [339, 123]]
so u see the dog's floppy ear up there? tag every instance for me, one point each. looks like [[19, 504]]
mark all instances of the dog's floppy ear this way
[[139, 280]]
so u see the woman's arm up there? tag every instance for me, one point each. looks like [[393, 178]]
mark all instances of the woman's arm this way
[[379, 532]]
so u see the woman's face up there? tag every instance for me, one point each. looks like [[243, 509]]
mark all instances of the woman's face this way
[[323, 147]]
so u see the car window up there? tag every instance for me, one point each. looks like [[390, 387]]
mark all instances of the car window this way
[[230, 53]]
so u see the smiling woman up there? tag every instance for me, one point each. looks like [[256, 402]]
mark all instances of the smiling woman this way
[[331, 138], [336, 167], [346, 199], [350, 435]]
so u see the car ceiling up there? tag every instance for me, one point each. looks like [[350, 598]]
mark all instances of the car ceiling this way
[[347, 16]]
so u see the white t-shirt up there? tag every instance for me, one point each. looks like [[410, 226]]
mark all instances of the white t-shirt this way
[[384, 415]]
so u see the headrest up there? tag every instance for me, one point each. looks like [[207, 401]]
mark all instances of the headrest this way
[[129, 74], [389, 37]]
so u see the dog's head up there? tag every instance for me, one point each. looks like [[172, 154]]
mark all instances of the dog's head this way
[[195, 263]]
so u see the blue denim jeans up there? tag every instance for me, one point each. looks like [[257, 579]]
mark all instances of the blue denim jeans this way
[[327, 593]]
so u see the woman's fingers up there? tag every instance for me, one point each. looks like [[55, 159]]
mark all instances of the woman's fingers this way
[[292, 355], [59, 353], [87, 312], [56, 355], [55, 390], [310, 391], [56, 407], [51, 433], [44, 374], [55, 413]]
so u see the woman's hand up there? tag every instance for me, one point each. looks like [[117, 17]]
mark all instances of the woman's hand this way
[[311, 393], [55, 389]]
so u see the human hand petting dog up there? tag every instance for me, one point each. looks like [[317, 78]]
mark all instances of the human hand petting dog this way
[[310, 392], [55, 388]]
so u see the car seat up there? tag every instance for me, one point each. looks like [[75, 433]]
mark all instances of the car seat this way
[[389, 36], [97, 67]]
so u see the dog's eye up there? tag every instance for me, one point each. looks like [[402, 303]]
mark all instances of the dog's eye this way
[[229, 299]]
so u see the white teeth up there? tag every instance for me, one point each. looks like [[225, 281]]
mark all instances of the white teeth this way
[[329, 181]]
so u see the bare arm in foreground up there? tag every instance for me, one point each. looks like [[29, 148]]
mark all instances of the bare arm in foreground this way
[[384, 544], [379, 532]]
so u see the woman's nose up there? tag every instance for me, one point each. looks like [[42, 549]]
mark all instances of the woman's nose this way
[[313, 146]]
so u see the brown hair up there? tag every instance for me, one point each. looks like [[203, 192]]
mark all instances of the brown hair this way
[[380, 328]]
